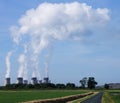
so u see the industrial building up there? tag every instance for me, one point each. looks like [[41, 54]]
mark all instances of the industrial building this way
[[25, 81], [46, 80], [34, 80], [19, 80], [7, 81], [39, 81], [114, 85]]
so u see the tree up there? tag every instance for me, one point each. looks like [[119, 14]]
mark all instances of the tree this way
[[70, 85], [83, 82], [91, 83], [60, 86], [106, 86]]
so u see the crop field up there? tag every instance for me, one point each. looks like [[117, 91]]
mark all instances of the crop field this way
[[112, 96], [115, 96], [22, 96]]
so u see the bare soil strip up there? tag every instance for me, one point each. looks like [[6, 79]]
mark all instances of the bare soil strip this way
[[61, 99]]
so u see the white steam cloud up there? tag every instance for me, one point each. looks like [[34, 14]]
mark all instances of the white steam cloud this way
[[8, 64], [38, 27], [22, 72], [21, 60]]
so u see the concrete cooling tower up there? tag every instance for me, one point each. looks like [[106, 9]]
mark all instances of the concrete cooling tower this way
[[7, 81], [19, 80]]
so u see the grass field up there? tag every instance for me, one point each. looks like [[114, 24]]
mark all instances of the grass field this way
[[20, 96], [111, 96], [115, 96]]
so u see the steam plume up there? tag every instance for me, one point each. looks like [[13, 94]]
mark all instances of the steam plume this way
[[22, 72], [52, 22], [8, 64]]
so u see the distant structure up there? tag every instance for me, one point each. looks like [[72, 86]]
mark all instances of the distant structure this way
[[7, 81], [19, 80], [39, 81], [114, 85], [34, 80], [46, 80], [25, 81]]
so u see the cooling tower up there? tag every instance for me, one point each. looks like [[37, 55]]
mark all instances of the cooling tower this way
[[25, 81], [7, 81], [19, 80], [33, 80], [39, 81], [46, 80]]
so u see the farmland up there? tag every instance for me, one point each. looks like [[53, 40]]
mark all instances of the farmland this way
[[20, 96], [111, 96], [115, 96]]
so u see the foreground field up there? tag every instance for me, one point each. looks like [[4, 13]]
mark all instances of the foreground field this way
[[115, 96], [20, 96], [111, 96]]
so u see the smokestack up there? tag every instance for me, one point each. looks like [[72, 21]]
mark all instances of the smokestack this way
[[46, 80], [33, 80], [19, 80], [25, 81], [7, 81]]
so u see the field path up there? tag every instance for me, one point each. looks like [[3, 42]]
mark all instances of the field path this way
[[95, 99]]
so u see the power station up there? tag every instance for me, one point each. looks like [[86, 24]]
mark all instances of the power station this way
[[33, 81]]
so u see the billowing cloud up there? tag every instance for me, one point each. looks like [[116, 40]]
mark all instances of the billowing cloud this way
[[51, 21], [59, 21]]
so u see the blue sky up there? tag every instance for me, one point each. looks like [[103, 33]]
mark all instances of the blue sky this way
[[97, 55]]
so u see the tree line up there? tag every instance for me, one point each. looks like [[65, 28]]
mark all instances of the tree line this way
[[89, 83], [41, 86]]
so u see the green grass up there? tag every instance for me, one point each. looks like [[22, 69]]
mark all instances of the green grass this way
[[111, 96], [107, 98], [20, 96], [115, 96]]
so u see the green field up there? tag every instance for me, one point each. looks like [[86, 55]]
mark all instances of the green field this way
[[115, 96], [20, 96], [111, 96]]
